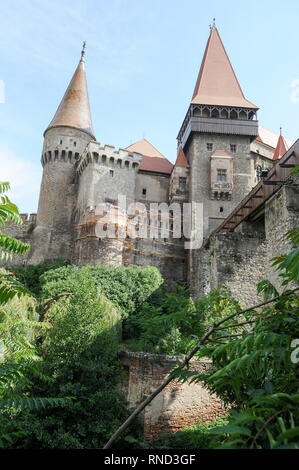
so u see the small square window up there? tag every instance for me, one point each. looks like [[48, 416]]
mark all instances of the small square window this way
[[111, 173], [221, 174], [144, 192], [209, 147], [233, 148]]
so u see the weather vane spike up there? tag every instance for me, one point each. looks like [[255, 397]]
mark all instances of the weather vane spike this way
[[280, 129], [83, 49], [214, 22]]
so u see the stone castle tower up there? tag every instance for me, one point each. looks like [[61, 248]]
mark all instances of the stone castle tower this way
[[65, 139], [220, 155], [216, 134]]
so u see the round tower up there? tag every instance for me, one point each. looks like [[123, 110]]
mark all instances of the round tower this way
[[65, 139]]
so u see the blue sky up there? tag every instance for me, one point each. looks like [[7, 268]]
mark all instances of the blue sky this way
[[142, 61]]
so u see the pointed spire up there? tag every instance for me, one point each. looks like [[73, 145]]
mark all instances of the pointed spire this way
[[181, 159], [74, 109], [281, 147], [217, 83], [83, 50]]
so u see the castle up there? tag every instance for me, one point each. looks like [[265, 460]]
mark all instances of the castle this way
[[222, 153]]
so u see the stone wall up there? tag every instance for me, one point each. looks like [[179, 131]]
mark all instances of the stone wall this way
[[281, 215], [241, 259], [24, 234], [238, 261], [178, 405], [156, 187]]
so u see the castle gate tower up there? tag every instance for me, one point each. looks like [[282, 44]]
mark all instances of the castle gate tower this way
[[65, 139]]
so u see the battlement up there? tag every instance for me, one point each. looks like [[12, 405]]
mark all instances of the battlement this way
[[108, 156], [28, 218], [59, 155]]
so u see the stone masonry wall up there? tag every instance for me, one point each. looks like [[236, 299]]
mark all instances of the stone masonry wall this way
[[238, 261], [178, 405], [281, 215], [24, 234], [241, 259]]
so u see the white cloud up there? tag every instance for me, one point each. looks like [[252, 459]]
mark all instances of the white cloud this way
[[24, 178]]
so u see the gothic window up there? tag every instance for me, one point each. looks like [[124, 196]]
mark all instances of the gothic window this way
[[75, 143], [144, 192], [221, 174], [60, 142], [111, 173], [233, 148], [209, 147], [215, 113], [182, 183]]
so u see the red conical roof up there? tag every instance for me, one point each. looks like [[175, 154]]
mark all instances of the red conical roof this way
[[181, 159], [74, 109], [281, 148], [217, 83]]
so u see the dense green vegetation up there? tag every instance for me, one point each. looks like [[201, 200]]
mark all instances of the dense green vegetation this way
[[197, 436], [77, 354]]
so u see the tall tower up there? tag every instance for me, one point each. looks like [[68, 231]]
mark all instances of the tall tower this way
[[65, 139], [215, 135]]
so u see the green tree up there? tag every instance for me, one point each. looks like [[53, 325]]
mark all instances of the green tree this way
[[9, 287], [80, 355]]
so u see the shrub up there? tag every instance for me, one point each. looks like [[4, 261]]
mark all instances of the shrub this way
[[192, 437], [30, 276]]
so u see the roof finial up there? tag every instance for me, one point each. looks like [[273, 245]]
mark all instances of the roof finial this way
[[280, 130], [214, 22], [83, 50]]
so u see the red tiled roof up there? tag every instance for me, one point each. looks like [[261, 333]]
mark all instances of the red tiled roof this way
[[156, 164], [270, 138], [152, 159], [217, 83], [144, 147], [181, 159], [281, 148]]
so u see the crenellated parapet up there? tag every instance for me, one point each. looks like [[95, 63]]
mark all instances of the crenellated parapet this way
[[59, 155], [108, 156], [28, 218]]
